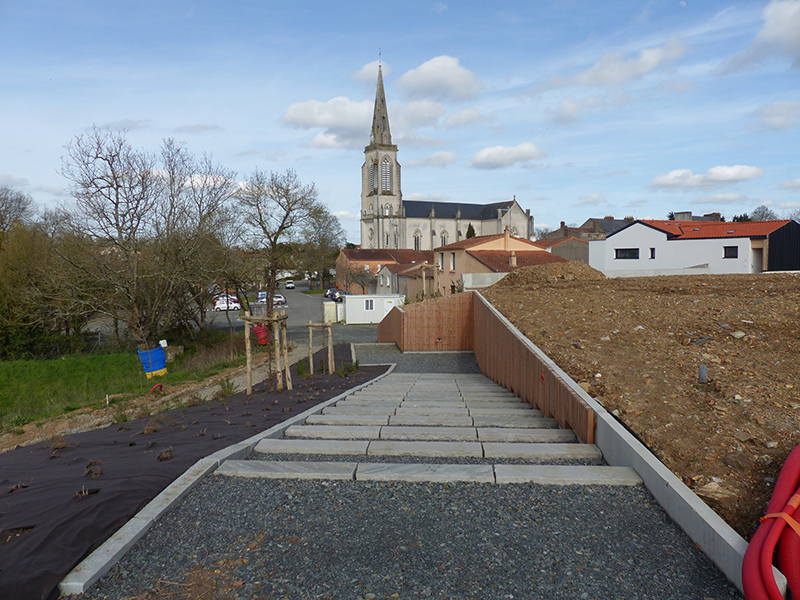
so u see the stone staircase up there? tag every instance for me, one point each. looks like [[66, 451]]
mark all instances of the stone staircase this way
[[432, 428]]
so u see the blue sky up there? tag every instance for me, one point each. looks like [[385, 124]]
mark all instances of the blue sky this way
[[579, 109]]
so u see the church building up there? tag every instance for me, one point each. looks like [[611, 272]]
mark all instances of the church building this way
[[388, 221]]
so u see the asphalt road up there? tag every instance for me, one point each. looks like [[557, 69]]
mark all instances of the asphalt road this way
[[300, 309]]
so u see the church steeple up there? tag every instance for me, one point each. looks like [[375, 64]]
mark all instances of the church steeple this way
[[380, 135]]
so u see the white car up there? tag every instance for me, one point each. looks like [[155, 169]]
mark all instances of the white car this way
[[278, 299], [290, 285], [228, 303]]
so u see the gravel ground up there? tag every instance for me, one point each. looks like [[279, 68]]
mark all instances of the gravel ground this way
[[309, 539], [417, 362]]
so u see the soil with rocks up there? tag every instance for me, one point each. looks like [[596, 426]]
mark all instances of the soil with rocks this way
[[640, 347]]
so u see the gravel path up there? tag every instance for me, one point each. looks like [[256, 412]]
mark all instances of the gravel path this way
[[311, 539]]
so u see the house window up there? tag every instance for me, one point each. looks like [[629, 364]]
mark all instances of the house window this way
[[452, 261], [386, 175], [417, 240], [626, 253], [652, 253], [730, 252], [441, 261], [369, 304]]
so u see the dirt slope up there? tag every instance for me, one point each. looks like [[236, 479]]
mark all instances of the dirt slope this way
[[637, 345]]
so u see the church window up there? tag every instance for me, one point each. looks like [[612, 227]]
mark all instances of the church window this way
[[444, 238], [386, 237], [386, 175], [417, 240], [386, 210], [370, 234], [373, 177], [395, 240]]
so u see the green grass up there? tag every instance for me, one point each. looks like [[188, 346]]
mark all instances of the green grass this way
[[314, 292], [31, 390]]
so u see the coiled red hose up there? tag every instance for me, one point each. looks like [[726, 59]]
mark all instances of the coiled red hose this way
[[758, 581]]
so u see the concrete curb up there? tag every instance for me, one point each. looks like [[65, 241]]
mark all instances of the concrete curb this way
[[712, 535], [99, 562]]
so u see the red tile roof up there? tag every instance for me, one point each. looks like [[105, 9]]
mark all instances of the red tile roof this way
[[498, 260], [685, 230], [550, 242], [387, 255]]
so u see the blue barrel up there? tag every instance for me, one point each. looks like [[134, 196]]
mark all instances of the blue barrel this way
[[154, 362]]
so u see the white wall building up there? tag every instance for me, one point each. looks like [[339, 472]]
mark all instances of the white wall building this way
[[370, 308], [650, 248]]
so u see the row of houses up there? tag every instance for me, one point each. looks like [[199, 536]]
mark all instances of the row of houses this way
[[633, 249]]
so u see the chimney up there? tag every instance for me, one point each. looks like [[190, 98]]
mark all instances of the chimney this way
[[629, 218], [685, 215], [609, 218], [506, 236], [562, 225], [512, 260]]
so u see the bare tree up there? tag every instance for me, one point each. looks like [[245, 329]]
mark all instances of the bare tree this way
[[139, 226], [322, 237], [763, 213], [275, 208], [15, 207]]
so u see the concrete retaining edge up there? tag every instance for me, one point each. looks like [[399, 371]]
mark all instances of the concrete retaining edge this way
[[99, 562], [713, 536]]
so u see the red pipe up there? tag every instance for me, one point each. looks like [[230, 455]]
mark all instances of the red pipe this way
[[758, 581]]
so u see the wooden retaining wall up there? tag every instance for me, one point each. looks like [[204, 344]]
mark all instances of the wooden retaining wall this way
[[508, 358], [443, 325]]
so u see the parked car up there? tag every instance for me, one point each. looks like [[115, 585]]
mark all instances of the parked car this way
[[338, 295], [262, 297], [228, 303], [222, 297], [278, 299], [329, 292], [289, 284]]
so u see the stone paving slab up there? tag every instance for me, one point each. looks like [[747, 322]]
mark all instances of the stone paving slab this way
[[434, 403], [360, 419], [375, 397], [343, 432], [417, 472], [431, 420], [432, 410], [429, 433], [331, 447], [287, 469], [502, 403], [540, 451], [515, 421], [370, 403], [507, 411], [358, 410], [425, 449], [566, 475], [520, 421], [433, 398], [556, 436]]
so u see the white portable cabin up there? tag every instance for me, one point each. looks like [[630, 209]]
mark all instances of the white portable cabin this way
[[370, 308]]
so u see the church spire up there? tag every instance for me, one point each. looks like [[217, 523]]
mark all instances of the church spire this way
[[380, 134]]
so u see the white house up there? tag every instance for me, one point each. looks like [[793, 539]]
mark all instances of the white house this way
[[649, 248], [369, 308]]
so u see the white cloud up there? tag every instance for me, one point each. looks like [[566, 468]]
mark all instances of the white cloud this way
[[346, 215], [591, 200], [792, 184], [616, 68], [729, 198], [419, 113], [715, 177], [780, 115], [569, 110], [617, 172], [11, 181], [676, 86], [778, 36], [440, 77], [437, 159], [346, 122], [463, 117], [369, 72], [789, 205], [498, 157]]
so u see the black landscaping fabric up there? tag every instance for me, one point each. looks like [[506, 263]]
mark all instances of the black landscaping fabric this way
[[56, 507]]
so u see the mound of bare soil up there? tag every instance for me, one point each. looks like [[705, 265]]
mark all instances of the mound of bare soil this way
[[637, 345]]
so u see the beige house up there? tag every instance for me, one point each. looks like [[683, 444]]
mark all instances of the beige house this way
[[482, 254], [381, 264]]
